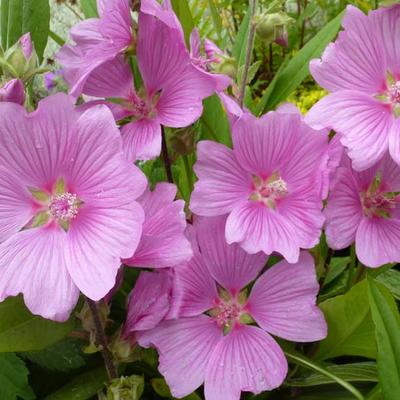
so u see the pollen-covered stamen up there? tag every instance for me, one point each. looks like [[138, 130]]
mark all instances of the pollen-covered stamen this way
[[142, 108], [378, 204], [227, 314], [64, 207], [394, 93], [270, 190]]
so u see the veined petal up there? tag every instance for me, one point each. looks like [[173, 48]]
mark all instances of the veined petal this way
[[363, 121], [229, 264], [163, 242], [142, 139], [184, 346], [377, 241], [222, 182], [247, 359], [283, 301], [33, 262]]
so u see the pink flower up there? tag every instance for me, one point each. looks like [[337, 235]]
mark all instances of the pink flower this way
[[13, 91], [362, 70], [68, 211], [27, 45], [163, 242], [149, 302], [211, 340], [364, 207], [270, 184], [97, 41], [172, 93]]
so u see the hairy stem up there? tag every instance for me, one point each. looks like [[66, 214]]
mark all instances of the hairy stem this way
[[249, 51], [101, 340], [165, 157]]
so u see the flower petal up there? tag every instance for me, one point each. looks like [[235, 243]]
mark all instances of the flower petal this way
[[377, 241], [247, 359], [195, 290], [148, 302], [394, 141], [142, 139], [222, 182], [343, 212], [33, 262], [184, 346], [283, 301], [16, 205], [229, 264], [163, 242], [356, 61], [363, 121]]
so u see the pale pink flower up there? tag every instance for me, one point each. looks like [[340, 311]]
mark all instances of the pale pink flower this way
[[172, 92], [163, 242], [13, 91], [362, 70], [97, 41], [67, 204], [148, 303], [271, 183], [363, 207], [27, 45], [214, 339]]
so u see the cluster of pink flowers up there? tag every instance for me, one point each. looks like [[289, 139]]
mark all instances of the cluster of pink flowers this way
[[74, 207]]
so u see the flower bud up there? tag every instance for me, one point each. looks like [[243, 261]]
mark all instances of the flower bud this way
[[126, 388], [20, 60], [273, 28], [227, 66], [13, 92]]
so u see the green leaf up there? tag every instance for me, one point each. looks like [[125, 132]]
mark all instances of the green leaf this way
[[22, 16], [22, 331], [351, 330], [215, 17], [82, 387], [387, 324], [214, 123], [297, 68], [356, 372], [391, 279], [89, 8], [303, 361], [61, 356], [336, 267], [182, 10], [161, 388], [14, 378], [239, 48]]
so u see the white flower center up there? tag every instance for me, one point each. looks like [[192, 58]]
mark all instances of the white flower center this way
[[64, 207]]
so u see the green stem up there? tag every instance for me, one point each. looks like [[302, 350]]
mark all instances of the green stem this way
[[249, 51], [315, 367], [56, 38], [188, 172]]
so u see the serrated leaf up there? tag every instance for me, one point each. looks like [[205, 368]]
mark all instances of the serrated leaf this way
[[82, 387], [297, 68], [14, 378], [214, 123], [387, 324], [89, 8], [351, 330], [22, 331], [22, 16], [356, 372], [62, 356]]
